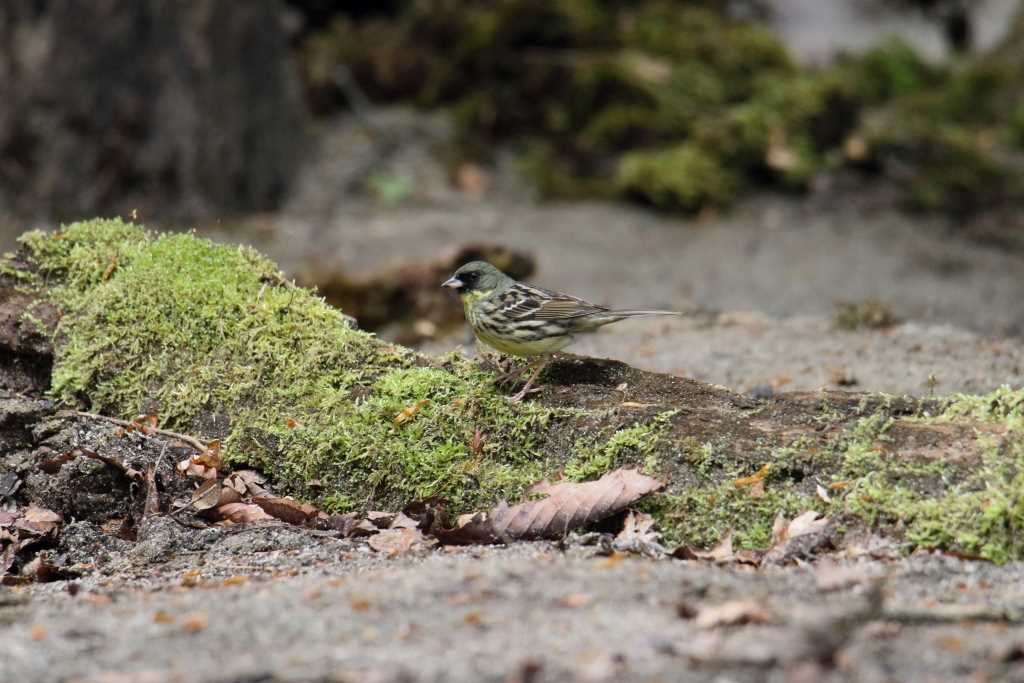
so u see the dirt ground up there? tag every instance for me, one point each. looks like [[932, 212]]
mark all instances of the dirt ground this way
[[272, 602], [276, 603]]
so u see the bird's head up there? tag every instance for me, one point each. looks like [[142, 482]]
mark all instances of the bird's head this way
[[477, 277]]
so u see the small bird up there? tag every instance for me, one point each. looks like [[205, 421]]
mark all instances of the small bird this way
[[521, 320]]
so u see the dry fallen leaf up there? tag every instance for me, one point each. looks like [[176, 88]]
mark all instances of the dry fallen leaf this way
[[755, 478], [242, 513], [720, 553], [574, 600], [41, 570], [394, 542], [807, 532], [287, 509], [564, 507], [39, 520], [351, 524], [194, 622], [410, 412], [247, 482], [207, 495], [806, 523], [638, 536], [823, 493], [403, 521], [162, 617], [190, 578], [732, 612]]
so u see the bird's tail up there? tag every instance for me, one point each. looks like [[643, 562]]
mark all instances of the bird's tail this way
[[592, 322], [633, 314]]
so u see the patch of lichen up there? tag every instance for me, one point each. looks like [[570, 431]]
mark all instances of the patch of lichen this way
[[209, 334]]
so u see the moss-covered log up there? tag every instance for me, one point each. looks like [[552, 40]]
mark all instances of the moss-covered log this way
[[219, 344]]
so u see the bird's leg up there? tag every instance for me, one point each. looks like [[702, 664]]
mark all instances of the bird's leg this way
[[529, 383], [508, 368]]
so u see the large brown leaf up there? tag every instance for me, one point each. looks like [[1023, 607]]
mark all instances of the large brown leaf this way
[[565, 506]]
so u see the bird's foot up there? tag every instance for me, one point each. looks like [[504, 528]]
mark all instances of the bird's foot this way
[[523, 393], [509, 371], [529, 383], [508, 377]]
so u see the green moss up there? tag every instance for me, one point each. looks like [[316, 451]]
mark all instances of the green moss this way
[[636, 444], [682, 177], [981, 514], [968, 505], [680, 106], [890, 70], [870, 313], [1003, 406], [702, 516], [193, 327]]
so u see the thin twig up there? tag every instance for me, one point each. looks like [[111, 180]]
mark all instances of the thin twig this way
[[190, 440]]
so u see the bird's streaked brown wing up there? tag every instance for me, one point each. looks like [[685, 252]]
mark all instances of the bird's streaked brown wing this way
[[522, 301]]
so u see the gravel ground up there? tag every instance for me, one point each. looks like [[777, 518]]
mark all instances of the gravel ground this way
[[276, 604]]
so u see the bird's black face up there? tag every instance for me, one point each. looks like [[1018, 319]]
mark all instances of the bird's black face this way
[[476, 276]]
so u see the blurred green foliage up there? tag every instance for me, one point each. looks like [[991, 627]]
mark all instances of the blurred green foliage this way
[[679, 106]]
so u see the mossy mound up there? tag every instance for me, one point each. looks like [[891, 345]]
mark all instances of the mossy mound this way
[[215, 341], [680, 106], [210, 335]]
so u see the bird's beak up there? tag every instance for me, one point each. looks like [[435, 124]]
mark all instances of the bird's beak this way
[[453, 282]]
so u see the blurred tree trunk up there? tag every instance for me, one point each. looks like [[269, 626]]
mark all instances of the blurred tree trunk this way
[[182, 108]]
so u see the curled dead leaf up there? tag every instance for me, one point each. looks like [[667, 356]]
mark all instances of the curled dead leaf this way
[[755, 478], [194, 622], [565, 506], [39, 520], [732, 612], [639, 536], [287, 509], [394, 542], [410, 412], [207, 495], [162, 617], [247, 482], [242, 513], [807, 533]]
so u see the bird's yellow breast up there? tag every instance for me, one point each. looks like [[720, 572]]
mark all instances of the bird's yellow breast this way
[[508, 343], [518, 347]]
